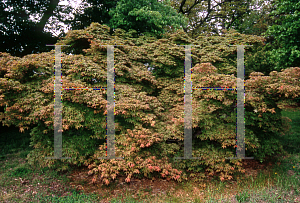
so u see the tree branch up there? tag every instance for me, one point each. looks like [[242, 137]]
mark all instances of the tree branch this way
[[47, 14], [195, 4], [209, 11], [181, 6]]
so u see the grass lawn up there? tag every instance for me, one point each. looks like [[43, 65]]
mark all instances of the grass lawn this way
[[268, 182]]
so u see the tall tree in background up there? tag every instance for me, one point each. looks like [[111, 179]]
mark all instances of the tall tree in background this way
[[257, 19], [141, 15], [209, 17], [285, 48], [92, 11], [279, 22], [20, 35], [256, 22], [204, 17], [146, 16]]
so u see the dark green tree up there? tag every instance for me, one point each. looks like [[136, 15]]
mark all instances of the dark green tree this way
[[19, 34], [209, 17], [257, 19], [146, 16], [91, 11], [212, 14], [140, 15], [285, 46], [282, 44]]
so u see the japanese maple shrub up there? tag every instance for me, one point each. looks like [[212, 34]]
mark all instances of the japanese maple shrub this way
[[149, 104]]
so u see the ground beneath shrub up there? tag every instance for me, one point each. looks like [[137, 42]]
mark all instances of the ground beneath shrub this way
[[150, 187]]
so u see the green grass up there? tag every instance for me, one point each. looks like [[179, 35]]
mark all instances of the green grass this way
[[75, 197], [279, 184]]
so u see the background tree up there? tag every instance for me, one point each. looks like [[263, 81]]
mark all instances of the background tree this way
[[210, 17], [143, 16], [204, 17], [285, 33], [280, 27], [256, 22], [25, 35], [283, 47], [91, 11], [21, 33], [257, 19], [28, 25]]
